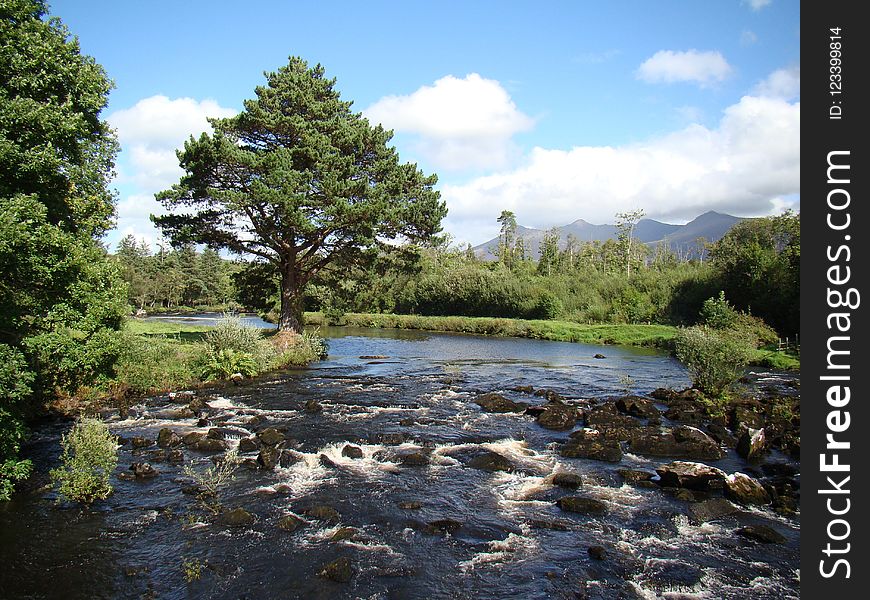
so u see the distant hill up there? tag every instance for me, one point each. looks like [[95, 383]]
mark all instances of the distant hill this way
[[681, 238]]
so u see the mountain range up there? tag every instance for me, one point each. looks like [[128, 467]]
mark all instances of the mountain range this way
[[681, 238]]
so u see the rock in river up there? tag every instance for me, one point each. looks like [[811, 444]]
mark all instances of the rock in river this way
[[692, 475], [582, 505], [270, 436], [168, 438], [237, 517], [750, 444], [761, 533], [709, 510], [290, 523], [491, 461], [144, 470], [496, 403], [567, 480], [744, 489], [339, 570], [352, 451], [558, 416], [588, 443]]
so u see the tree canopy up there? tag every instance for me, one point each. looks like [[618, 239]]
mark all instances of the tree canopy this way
[[61, 302], [300, 181]]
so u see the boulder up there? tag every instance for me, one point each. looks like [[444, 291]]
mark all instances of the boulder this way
[[496, 403], [344, 533], [340, 570], [751, 443], [321, 512], [138, 442], [197, 404], [742, 488], [682, 442], [313, 406], [598, 356], [582, 505], [588, 443], [442, 526], [597, 552], [206, 444], [288, 458], [191, 438], [761, 533], [416, 458], [143, 470], [691, 475], [635, 475], [175, 456], [721, 434], [167, 438], [567, 480], [290, 523], [638, 407], [491, 461], [351, 451], [747, 417], [270, 436], [410, 504], [557, 416], [710, 510], [612, 424], [237, 517], [327, 462], [268, 457], [248, 444]]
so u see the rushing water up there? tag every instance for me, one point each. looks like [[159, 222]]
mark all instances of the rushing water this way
[[514, 542]]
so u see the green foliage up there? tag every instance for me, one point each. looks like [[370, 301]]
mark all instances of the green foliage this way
[[313, 184], [61, 302], [714, 359], [88, 459], [157, 363], [717, 313], [212, 479], [192, 568], [231, 333], [758, 264], [224, 363]]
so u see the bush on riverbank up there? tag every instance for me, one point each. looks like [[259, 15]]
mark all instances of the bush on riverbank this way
[[89, 456], [715, 359]]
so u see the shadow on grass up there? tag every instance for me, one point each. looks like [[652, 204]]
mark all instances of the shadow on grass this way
[[182, 336]]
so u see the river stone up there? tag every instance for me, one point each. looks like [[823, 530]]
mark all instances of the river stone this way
[[191, 438], [416, 458], [598, 356], [491, 461], [588, 443], [206, 444], [197, 404], [237, 517], [290, 523], [340, 570], [496, 403], [638, 407], [692, 475], [744, 417], [567, 480], [344, 533], [410, 504], [321, 512], [525, 389], [248, 444], [157, 456], [721, 434], [665, 574], [327, 462], [761, 533], [612, 424], [270, 436], [635, 475], [313, 406], [175, 457], [268, 457], [557, 416], [143, 470], [742, 488], [683, 441], [582, 505], [167, 438], [140, 442], [750, 444], [442, 526], [352, 451], [597, 552], [709, 510]]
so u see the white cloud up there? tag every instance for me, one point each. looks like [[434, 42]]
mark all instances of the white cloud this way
[[783, 83], [748, 37], [744, 166], [667, 66], [457, 123], [757, 5], [150, 132]]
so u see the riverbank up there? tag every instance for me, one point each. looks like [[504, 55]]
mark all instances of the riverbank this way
[[650, 336]]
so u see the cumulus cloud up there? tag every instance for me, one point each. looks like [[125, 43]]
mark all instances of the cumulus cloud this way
[[783, 83], [150, 132], [667, 66], [757, 5], [748, 165], [456, 123]]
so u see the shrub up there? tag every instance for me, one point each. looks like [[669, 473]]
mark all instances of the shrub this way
[[227, 362], [717, 313], [211, 480], [88, 459], [15, 382], [714, 359], [233, 347], [230, 333]]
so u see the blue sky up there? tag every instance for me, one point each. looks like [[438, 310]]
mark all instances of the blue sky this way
[[557, 110]]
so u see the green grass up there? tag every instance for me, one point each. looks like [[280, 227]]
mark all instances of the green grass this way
[[774, 359]]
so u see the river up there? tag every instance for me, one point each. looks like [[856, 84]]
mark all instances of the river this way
[[441, 529]]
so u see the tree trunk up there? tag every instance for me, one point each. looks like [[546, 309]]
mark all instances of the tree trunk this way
[[291, 300]]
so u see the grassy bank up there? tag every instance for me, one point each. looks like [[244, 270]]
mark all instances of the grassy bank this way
[[658, 336]]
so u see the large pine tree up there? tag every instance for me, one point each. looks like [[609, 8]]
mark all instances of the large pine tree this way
[[300, 181]]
